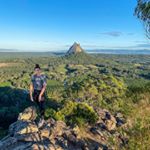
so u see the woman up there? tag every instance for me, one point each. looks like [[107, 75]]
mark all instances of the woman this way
[[37, 89]]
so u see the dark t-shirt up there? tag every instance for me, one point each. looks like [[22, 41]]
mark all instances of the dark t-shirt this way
[[38, 81]]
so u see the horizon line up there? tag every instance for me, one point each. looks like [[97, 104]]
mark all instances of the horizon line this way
[[63, 51]]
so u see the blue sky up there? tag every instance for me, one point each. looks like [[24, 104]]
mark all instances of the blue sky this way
[[56, 24]]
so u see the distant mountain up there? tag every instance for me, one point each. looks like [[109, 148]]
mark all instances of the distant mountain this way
[[76, 54], [8, 50], [75, 48]]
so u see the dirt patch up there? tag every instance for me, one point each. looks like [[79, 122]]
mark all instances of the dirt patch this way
[[7, 64]]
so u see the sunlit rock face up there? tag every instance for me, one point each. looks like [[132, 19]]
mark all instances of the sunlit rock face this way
[[75, 48], [25, 134]]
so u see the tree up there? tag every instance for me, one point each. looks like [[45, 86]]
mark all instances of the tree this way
[[142, 11]]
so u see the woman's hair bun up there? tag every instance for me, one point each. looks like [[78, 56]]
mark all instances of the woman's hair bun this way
[[37, 66]]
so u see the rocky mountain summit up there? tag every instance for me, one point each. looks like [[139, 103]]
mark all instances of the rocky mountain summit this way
[[75, 48], [24, 134]]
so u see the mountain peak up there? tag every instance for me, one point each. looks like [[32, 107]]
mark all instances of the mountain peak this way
[[75, 48]]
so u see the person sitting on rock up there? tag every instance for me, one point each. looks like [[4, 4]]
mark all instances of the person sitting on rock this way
[[37, 90]]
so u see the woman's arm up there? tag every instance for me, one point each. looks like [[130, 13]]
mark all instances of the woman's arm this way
[[44, 87], [31, 91], [42, 92]]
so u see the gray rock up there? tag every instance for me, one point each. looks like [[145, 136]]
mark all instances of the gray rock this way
[[24, 134], [7, 143], [22, 127]]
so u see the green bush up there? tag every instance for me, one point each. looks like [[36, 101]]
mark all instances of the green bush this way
[[82, 115], [137, 89], [49, 112], [95, 89], [73, 113]]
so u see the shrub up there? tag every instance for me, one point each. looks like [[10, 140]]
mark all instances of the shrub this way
[[73, 113], [49, 112]]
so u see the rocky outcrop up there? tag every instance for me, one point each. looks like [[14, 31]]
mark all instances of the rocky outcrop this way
[[28, 114], [24, 134], [106, 120], [75, 48]]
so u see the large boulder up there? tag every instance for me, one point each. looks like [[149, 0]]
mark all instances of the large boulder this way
[[22, 127], [57, 129], [110, 124], [106, 119], [28, 114], [120, 119]]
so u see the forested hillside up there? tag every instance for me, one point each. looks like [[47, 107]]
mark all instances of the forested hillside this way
[[78, 85]]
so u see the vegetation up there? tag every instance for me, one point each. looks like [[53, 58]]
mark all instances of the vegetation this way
[[73, 113], [77, 85], [142, 11]]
